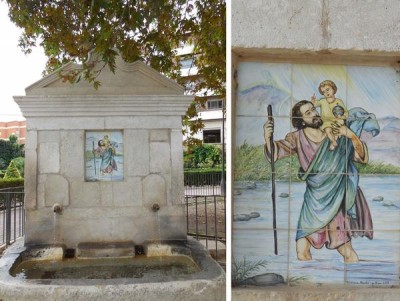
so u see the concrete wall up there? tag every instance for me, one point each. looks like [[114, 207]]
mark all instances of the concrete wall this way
[[324, 28], [318, 32]]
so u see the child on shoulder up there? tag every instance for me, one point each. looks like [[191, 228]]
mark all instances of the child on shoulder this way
[[333, 109]]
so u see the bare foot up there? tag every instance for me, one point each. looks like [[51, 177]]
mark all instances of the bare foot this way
[[348, 253], [303, 249], [304, 257]]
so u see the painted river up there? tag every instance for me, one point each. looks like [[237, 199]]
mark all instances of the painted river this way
[[379, 258]]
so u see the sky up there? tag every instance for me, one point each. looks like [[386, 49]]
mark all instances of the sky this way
[[18, 70]]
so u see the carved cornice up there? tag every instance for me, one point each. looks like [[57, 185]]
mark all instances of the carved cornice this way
[[103, 105]]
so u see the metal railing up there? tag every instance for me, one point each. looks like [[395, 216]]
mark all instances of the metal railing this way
[[203, 184], [206, 211], [12, 215]]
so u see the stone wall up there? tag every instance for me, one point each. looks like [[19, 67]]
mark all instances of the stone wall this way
[[114, 207], [104, 211]]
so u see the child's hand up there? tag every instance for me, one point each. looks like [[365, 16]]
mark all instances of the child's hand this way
[[313, 98]]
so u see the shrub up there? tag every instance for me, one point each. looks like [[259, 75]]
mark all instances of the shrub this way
[[20, 164], [12, 172], [11, 183], [202, 156]]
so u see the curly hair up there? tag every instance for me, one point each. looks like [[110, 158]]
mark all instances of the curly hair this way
[[297, 118], [327, 83]]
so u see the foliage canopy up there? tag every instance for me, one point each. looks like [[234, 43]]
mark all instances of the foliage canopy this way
[[145, 30], [203, 156]]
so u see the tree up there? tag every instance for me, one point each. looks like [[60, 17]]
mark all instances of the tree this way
[[19, 162], [138, 29], [9, 150], [12, 172], [13, 139]]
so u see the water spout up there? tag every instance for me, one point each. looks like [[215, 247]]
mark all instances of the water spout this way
[[57, 208], [155, 207]]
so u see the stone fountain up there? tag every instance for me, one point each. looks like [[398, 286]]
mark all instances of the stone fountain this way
[[104, 179]]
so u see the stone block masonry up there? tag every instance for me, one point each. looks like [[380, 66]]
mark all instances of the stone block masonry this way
[[152, 158]]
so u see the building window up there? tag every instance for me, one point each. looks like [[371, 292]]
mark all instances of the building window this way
[[188, 63], [212, 136], [214, 104]]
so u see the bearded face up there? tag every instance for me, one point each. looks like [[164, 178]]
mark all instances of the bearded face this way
[[315, 123]]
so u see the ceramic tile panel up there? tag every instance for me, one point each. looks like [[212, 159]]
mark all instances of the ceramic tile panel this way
[[104, 159], [338, 172]]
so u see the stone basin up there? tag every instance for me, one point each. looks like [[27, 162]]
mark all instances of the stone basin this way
[[167, 271]]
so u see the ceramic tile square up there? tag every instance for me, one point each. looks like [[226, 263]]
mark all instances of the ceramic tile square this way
[[306, 81], [250, 161], [246, 248], [375, 89], [325, 267], [381, 193], [252, 208], [383, 146], [379, 261], [316, 200], [251, 129], [262, 84]]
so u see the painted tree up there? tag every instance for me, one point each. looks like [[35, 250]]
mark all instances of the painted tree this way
[[139, 29]]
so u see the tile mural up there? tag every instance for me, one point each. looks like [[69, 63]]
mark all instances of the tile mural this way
[[335, 189], [104, 160]]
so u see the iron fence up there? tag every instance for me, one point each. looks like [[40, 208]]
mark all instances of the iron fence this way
[[203, 184], [206, 211], [12, 215]]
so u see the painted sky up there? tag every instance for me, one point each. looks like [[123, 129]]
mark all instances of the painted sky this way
[[376, 89]]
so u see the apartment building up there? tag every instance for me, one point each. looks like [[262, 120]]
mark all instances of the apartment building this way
[[17, 128]]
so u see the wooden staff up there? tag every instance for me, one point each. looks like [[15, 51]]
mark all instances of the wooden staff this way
[[272, 151], [94, 159]]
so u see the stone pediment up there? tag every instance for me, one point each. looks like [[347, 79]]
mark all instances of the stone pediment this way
[[129, 79]]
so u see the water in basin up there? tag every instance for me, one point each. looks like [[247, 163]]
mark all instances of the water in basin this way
[[106, 268]]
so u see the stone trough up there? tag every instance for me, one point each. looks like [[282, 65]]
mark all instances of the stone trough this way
[[205, 280]]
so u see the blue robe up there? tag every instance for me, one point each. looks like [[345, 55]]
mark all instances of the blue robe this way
[[332, 178]]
